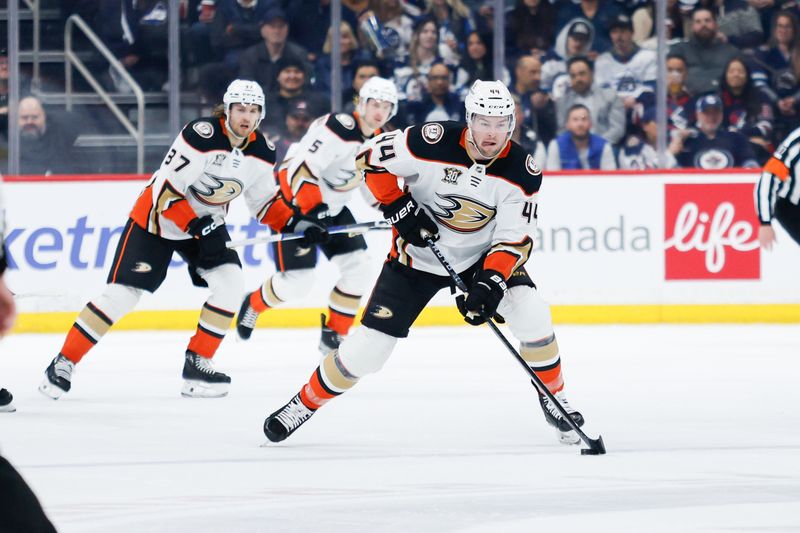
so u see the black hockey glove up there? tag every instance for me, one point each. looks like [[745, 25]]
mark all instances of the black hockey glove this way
[[212, 237], [483, 298], [313, 231], [409, 219]]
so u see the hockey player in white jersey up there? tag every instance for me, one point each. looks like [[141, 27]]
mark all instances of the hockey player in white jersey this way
[[319, 178], [182, 209], [476, 190]]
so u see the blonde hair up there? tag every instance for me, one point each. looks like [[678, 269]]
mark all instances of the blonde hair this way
[[457, 6], [345, 29], [218, 111]]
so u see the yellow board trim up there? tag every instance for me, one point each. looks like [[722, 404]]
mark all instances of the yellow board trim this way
[[449, 316]]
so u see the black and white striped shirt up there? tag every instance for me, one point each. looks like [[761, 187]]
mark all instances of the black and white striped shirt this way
[[779, 179]]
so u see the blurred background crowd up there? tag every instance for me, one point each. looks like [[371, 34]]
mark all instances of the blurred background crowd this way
[[584, 73]]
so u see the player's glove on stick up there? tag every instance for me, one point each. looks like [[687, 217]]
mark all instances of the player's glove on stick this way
[[409, 219], [483, 298], [212, 236], [313, 231], [320, 214]]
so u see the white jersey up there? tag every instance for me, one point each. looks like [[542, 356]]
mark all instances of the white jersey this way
[[479, 210], [202, 174], [630, 78], [321, 167]]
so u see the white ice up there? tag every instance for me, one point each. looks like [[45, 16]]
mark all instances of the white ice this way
[[701, 424]]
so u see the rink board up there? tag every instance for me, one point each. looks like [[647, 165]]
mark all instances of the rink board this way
[[676, 246]]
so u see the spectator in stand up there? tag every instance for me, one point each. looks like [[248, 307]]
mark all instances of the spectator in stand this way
[[136, 33], [528, 14], [740, 23], [607, 112], [298, 118], [710, 146], [776, 71], [260, 61], [573, 41], [45, 144], [236, 28], [680, 107], [539, 110], [527, 136], [455, 23], [477, 63], [423, 52], [577, 148], [439, 103], [292, 86], [599, 13], [706, 54], [198, 35], [363, 71], [310, 21], [351, 54], [626, 68], [395, 26], [746, 109]]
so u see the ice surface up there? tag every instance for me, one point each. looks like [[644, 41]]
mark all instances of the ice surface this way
[[700, 422]]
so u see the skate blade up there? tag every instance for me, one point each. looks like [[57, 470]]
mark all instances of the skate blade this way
[[9, 408], [51, 391], [568, 438], [200, 389]]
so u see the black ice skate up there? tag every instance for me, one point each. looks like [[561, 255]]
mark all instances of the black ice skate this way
[[566, 435], [200, 380], [5, 402], [246, 320], [58, 377], [287, 419], [329, 340]]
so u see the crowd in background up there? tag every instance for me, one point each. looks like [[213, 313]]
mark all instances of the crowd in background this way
[[584, 72]]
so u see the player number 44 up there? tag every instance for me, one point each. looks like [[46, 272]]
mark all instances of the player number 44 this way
[[530, 211], [172, 153]]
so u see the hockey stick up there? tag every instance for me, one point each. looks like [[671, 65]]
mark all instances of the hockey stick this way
[[361, 227], [596, 446]]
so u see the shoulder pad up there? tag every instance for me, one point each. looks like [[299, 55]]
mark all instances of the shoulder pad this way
[[519, 168], [262, 148], [438, 141], [205, 134], [344, 126]]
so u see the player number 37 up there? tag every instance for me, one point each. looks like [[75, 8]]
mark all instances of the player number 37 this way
[[530, 211], [183, 161]]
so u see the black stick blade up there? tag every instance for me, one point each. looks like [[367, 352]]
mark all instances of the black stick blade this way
[[596, 447]]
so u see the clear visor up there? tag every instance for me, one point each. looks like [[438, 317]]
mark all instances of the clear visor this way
[[482, 124]]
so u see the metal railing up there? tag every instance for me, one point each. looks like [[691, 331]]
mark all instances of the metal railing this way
[[71, 60]]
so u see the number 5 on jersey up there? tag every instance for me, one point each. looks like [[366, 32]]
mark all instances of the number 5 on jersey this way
[[172, 153]]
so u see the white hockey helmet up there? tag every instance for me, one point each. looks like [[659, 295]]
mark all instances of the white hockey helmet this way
[[490, 99], [378, 88], [244, 92]]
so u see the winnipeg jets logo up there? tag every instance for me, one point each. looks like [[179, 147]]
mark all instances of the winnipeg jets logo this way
[[215, 190], [462, 214], [451, 175], [714, 159]]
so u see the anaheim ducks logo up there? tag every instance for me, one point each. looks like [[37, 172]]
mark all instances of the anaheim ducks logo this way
[[462, 214], [381, 311], [215, 190]]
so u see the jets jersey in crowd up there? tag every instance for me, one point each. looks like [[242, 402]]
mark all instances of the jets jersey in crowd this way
[[321, 166], [479, 209], [200, 176]]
